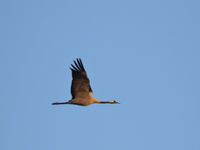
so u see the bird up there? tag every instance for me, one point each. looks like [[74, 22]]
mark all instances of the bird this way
[[81, 90]]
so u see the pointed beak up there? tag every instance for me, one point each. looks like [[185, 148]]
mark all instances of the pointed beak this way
[[117, 103]]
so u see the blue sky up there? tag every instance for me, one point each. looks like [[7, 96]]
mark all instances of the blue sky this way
[[144, 54]]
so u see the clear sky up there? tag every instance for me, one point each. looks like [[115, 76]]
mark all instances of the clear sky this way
[[144, 54]]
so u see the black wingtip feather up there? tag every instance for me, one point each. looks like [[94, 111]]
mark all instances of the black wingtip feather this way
[[74, 68], [78, 65]]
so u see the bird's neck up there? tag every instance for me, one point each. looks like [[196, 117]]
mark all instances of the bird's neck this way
[[104, 102]]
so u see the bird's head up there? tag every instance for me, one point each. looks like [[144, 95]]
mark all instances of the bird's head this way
[[114, 102]]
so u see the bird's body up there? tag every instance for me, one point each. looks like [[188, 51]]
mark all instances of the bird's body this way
[[83, 101], [80, 89]]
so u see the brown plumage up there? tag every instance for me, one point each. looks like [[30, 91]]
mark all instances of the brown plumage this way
[[80, 89]]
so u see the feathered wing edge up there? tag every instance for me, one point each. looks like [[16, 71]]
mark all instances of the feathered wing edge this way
[[79, 65], [78, 71]]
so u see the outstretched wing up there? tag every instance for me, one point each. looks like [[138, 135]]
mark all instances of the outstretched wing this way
[[80, 82]]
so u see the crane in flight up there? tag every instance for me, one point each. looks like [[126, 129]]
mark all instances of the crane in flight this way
[[81, 90]]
